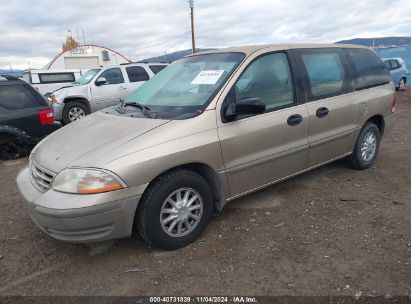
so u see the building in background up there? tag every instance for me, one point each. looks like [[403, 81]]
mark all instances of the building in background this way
[[86, 57]]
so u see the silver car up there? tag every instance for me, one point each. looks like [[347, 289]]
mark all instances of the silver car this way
[[207, 129]]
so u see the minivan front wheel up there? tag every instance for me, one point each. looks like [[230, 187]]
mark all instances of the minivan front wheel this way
[[175, 210], [367, 147], [73, 111]]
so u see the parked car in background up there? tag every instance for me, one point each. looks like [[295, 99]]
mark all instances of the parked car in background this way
[[25, 117], [47, 81], [399, 71], [100, 88], [211, 127]]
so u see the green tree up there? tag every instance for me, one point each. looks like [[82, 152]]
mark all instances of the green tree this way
[[70, 43]]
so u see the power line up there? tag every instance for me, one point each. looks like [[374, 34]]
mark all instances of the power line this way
[[158, 43]]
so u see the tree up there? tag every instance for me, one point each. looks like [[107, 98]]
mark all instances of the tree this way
[[70, 43]]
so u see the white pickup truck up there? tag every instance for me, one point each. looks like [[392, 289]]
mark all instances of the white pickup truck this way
[[100, 88]]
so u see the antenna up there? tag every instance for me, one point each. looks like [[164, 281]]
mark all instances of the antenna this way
[[84, 37], [78, 39]]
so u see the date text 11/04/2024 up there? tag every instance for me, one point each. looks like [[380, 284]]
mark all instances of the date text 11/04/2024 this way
[[205, 299]]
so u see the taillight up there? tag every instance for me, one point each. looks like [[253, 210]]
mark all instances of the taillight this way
[[394, 103], [46, 117]]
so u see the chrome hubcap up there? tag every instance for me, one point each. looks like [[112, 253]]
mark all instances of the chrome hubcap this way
[[76, 113], [368, 146], [181, 212], [402, 84]]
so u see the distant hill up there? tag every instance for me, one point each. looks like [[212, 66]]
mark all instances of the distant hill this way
[[16, 73], [172, 56], [385, 41]]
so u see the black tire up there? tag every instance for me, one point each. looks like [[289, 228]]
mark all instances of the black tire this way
[[12, 147], [71, 105], [357, 160], [147, 219]]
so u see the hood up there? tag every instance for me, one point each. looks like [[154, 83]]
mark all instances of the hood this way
[[70, 91], [91, 141]]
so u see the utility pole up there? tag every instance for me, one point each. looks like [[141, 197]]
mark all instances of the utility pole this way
[[193, 42]]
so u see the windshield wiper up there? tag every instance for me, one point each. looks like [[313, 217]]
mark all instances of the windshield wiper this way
[[144, 109]]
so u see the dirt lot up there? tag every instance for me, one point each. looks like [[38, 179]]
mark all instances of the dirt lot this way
[[332, 231]]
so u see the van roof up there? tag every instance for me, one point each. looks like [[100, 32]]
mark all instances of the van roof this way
[[248, 49]]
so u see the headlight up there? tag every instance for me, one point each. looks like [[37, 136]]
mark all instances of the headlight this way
[[85, 181], [56, 97]]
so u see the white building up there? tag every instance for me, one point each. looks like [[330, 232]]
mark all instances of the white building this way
[[86, 57]]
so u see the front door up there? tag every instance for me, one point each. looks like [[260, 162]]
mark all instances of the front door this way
[[261, 149], [111, 92]]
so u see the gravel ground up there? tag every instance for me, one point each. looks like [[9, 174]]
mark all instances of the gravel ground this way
[[332, 231]]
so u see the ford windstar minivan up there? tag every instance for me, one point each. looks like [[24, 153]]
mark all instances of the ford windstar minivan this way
[[207, 129]]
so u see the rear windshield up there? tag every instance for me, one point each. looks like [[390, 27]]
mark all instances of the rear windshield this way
[[369, 69], [56, 77], [19, 96]]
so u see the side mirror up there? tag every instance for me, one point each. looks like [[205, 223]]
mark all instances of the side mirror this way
[[248, 106], [100, 81]]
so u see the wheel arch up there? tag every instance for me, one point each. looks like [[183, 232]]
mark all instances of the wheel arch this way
[[78, 99], [211, 177], [16, 132], [379, 121]]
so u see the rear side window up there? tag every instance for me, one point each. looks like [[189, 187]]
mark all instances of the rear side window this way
[[156, 68], [18, 96], [369, 69], [325, 73], [137, 73], [57, 77]]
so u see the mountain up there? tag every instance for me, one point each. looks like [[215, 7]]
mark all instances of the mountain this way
[[16, 73], [385, 41], [172, 56]]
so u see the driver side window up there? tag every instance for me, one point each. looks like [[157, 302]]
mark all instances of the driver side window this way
[[268, 78], [113, 76]]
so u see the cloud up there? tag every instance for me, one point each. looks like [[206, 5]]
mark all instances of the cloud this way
[[139, 29]]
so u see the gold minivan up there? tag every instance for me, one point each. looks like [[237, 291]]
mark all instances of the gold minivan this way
[[207, 129]]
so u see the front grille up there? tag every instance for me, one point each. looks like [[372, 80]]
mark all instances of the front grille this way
[[41, 178]]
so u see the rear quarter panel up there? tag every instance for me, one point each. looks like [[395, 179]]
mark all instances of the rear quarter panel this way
[[371, 102]]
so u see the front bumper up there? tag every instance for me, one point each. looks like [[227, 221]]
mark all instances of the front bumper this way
[[104, 216], [58, 111]]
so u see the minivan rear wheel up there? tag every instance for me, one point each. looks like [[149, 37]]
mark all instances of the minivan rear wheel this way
[[366, 147], [174, 210], [73, 111]]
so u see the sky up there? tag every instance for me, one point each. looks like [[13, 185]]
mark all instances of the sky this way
[[33, 31]]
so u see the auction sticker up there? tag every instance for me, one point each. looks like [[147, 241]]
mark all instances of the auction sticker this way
[[208, 77]]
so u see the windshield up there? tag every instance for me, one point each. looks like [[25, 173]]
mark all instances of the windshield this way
[[86, 78], [184, 88]]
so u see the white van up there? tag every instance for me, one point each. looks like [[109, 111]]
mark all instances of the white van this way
[[47, 81]]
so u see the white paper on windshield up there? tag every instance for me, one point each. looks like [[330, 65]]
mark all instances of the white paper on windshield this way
[[208, 77]]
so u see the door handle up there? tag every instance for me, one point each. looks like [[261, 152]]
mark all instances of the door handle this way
[[322, 112], [294, 120], [122, 88]]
